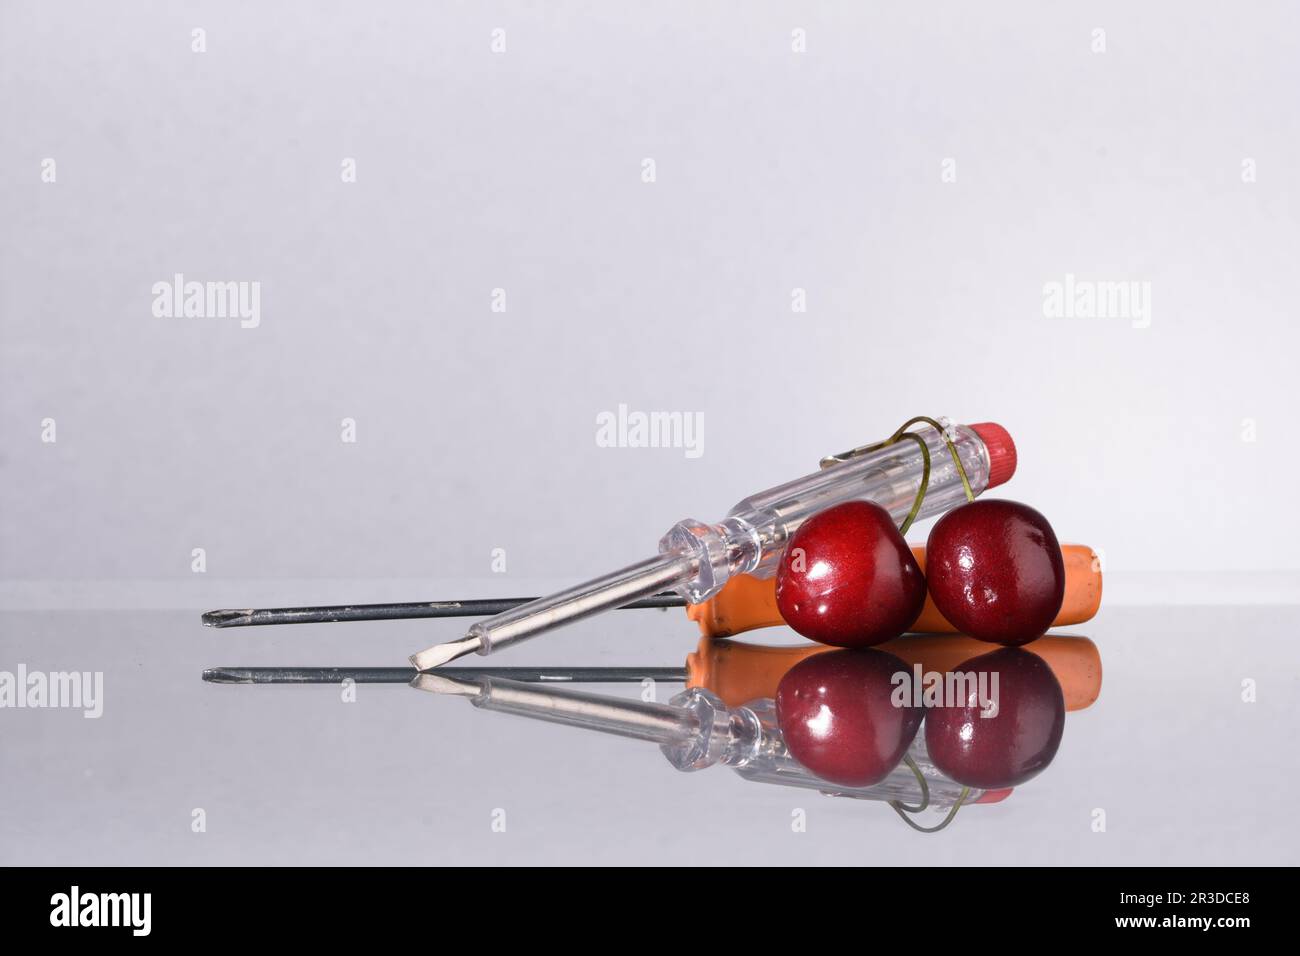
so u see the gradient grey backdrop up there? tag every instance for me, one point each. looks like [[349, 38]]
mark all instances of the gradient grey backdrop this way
[[522, 170]]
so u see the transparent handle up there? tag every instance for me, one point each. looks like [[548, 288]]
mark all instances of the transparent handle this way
[[753, 535]]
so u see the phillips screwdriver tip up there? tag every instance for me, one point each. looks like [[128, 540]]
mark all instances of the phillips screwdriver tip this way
[[224, 675], [229, 617], [440, 654]]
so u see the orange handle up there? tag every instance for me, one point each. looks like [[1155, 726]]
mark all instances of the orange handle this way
[[739, 672], [746, 603]]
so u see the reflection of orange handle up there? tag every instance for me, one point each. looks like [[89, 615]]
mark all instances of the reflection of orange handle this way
[[739, 672], [746, 603]]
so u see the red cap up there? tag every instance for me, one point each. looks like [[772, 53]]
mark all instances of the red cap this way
[[994, 796], [1002, 452]]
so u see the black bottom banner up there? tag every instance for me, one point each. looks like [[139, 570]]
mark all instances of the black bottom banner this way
[[371, 905]]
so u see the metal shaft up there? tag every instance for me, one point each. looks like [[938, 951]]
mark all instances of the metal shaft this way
[[336, 613], [403, 675]]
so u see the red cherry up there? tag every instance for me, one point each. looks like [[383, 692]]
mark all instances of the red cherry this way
[[848, 578], [994, 570], [838, 719], [1018, 741]]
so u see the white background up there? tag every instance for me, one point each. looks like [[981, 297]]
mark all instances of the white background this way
[[522, 171]]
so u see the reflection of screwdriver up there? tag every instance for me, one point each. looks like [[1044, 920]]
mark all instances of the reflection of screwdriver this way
[[735, 671], [911, 475], [743, 604], [696, 730]]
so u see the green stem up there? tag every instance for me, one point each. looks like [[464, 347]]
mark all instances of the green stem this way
[[965, 792], [901, 433], [924, 486], [952, 449], [925, 788]]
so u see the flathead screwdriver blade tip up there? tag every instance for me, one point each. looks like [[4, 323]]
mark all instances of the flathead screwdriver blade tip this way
[[227, 617], [440, 654]]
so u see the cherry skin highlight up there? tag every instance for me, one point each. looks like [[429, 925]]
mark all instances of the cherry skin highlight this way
[[847, 578], [1018, 741], [838, 719], [994, 569]]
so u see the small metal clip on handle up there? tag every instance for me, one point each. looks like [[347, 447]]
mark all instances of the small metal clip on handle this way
[[942, 425], [831, 460]]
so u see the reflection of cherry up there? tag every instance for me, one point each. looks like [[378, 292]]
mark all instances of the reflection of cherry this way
[[837, 717], [1017, 742], [994, 570], [848, 578]]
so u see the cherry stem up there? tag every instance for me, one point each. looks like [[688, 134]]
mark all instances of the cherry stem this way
[[965, 792], [901, 433], [925, 482], [925, 788], [952, 449]]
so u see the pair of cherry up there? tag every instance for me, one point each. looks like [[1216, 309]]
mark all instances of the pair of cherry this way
[[993, 568]]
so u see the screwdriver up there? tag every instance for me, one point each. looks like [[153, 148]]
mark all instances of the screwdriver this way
[[736, 671], [923, 475], [696, 729]]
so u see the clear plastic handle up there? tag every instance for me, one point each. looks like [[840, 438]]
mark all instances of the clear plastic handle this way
[[754, 533]]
